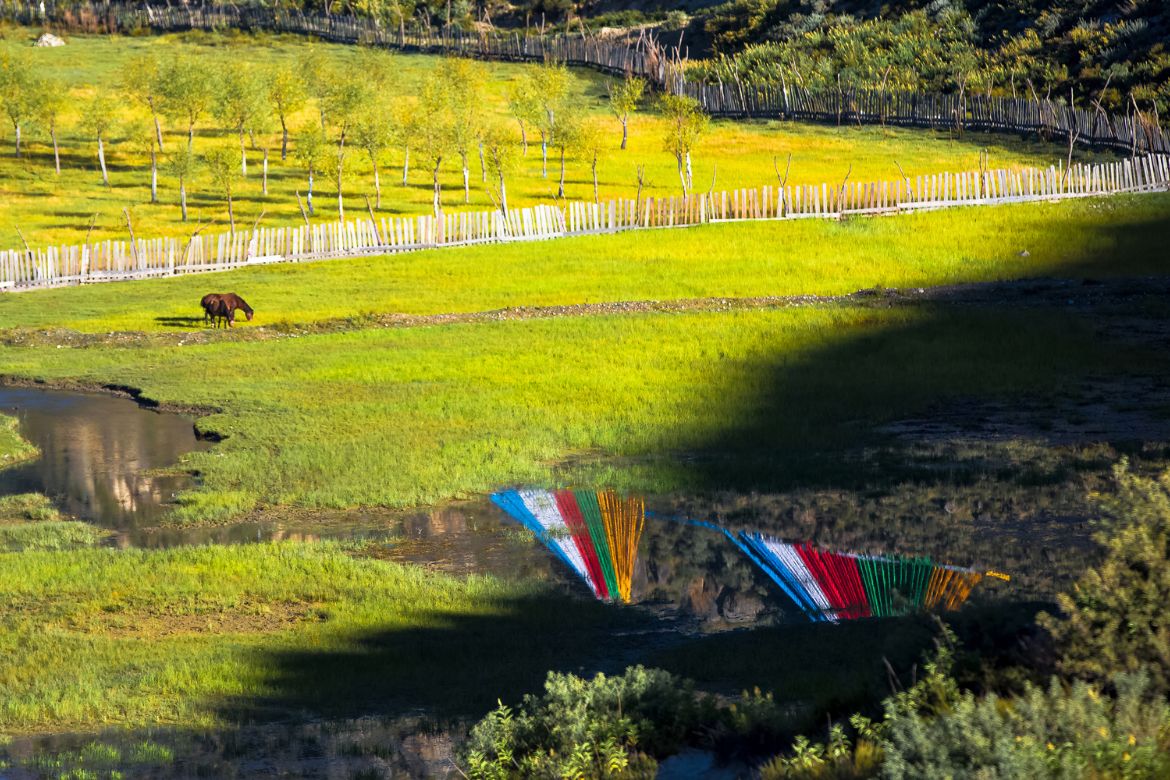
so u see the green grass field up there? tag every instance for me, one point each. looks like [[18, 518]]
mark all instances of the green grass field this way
[[13, 448], [49, 209], [1100, 237]]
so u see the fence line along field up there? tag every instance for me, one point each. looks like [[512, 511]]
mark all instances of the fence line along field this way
[[244, 91], [111, 261]]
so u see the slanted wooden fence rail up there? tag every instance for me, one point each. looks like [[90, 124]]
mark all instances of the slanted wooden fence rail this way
[[641, 56], [160, 257]]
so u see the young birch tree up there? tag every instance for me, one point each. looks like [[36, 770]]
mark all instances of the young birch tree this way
[[623, 101], [500, 154], [433, 131], [524, 106], [550, 86], [141, 79], [48, 114], [345, 102], [225, 174], [287, 95], [240, 98], [98, 117], [374, 135], [686, 122], [181, 164], [143, 138], [310, 151], [19, 89], [565, 132], [186, 93], [591, 143], [465, 80]]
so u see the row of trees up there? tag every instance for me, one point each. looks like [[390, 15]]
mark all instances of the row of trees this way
[[448, 123]]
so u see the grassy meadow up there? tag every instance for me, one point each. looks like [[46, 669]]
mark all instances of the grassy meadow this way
[[51, 210], [1098, 237]]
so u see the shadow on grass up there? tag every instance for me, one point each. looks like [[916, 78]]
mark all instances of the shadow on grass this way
[[444, 664], [1028, 347], [181, 322]]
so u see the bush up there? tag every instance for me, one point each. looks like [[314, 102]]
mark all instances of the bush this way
[[604, 727], [1115, 618]]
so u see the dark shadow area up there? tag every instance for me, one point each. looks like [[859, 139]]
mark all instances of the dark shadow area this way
[[442, 664], [182, 322], [1058, 360]]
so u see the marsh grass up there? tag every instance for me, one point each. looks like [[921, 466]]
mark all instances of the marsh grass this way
[[51, 210], [13, 447], [416, 416], [29, 521]]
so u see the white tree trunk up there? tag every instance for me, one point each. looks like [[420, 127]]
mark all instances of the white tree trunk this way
[[16, 126], [183, 198], [482, 167], [503, 195], [243, 155], [153, 175], [157, 130], [309, 194], [102, 161], [466, 179], [406, 166], [56, 152], [377, 188], [690, 179], [264, 181], [543, 155]]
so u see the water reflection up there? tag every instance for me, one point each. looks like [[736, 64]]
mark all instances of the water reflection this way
[[97, 453]]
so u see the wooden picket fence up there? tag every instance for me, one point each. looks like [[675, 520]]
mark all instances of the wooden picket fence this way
[[643, 56], [148, 258]]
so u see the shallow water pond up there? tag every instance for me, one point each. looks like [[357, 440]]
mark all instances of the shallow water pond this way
[[98, 454]]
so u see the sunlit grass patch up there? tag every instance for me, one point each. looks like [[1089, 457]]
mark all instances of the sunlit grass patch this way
[[13, 448]]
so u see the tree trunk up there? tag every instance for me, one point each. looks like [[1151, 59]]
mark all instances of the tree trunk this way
[[405, 166], [681, 176], [264, 180], [690, 178], [377, 187], [482, 167], [153, 175], [625, 132], [183, 198], [283, 139], [309, 194], [503, 195], [340, 167], [595, 200], [437, 204], [231, 214], [102, 161], [523, 137], [561, 185], [190, 136], [543, 155], [16, 126], [56, 152], [243, 155], [157, 129], [466, 179]]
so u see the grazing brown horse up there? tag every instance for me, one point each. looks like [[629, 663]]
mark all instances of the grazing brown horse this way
[[221, 307]]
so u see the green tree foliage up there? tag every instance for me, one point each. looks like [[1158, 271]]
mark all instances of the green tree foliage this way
[[1116, 617], [241, 97], [225, 175], [141, 78], [287, 94], [98, 116], [310, 151], [20, 90], [181, 164], [374, 134], [624, 97], [686, 122], [186, 93], [52, 102], [434, 130], [500, 153], [604, 727], [465, 79]]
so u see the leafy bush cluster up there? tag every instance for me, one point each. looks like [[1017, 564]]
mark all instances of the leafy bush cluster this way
[[1107, 51], [604, 727]]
